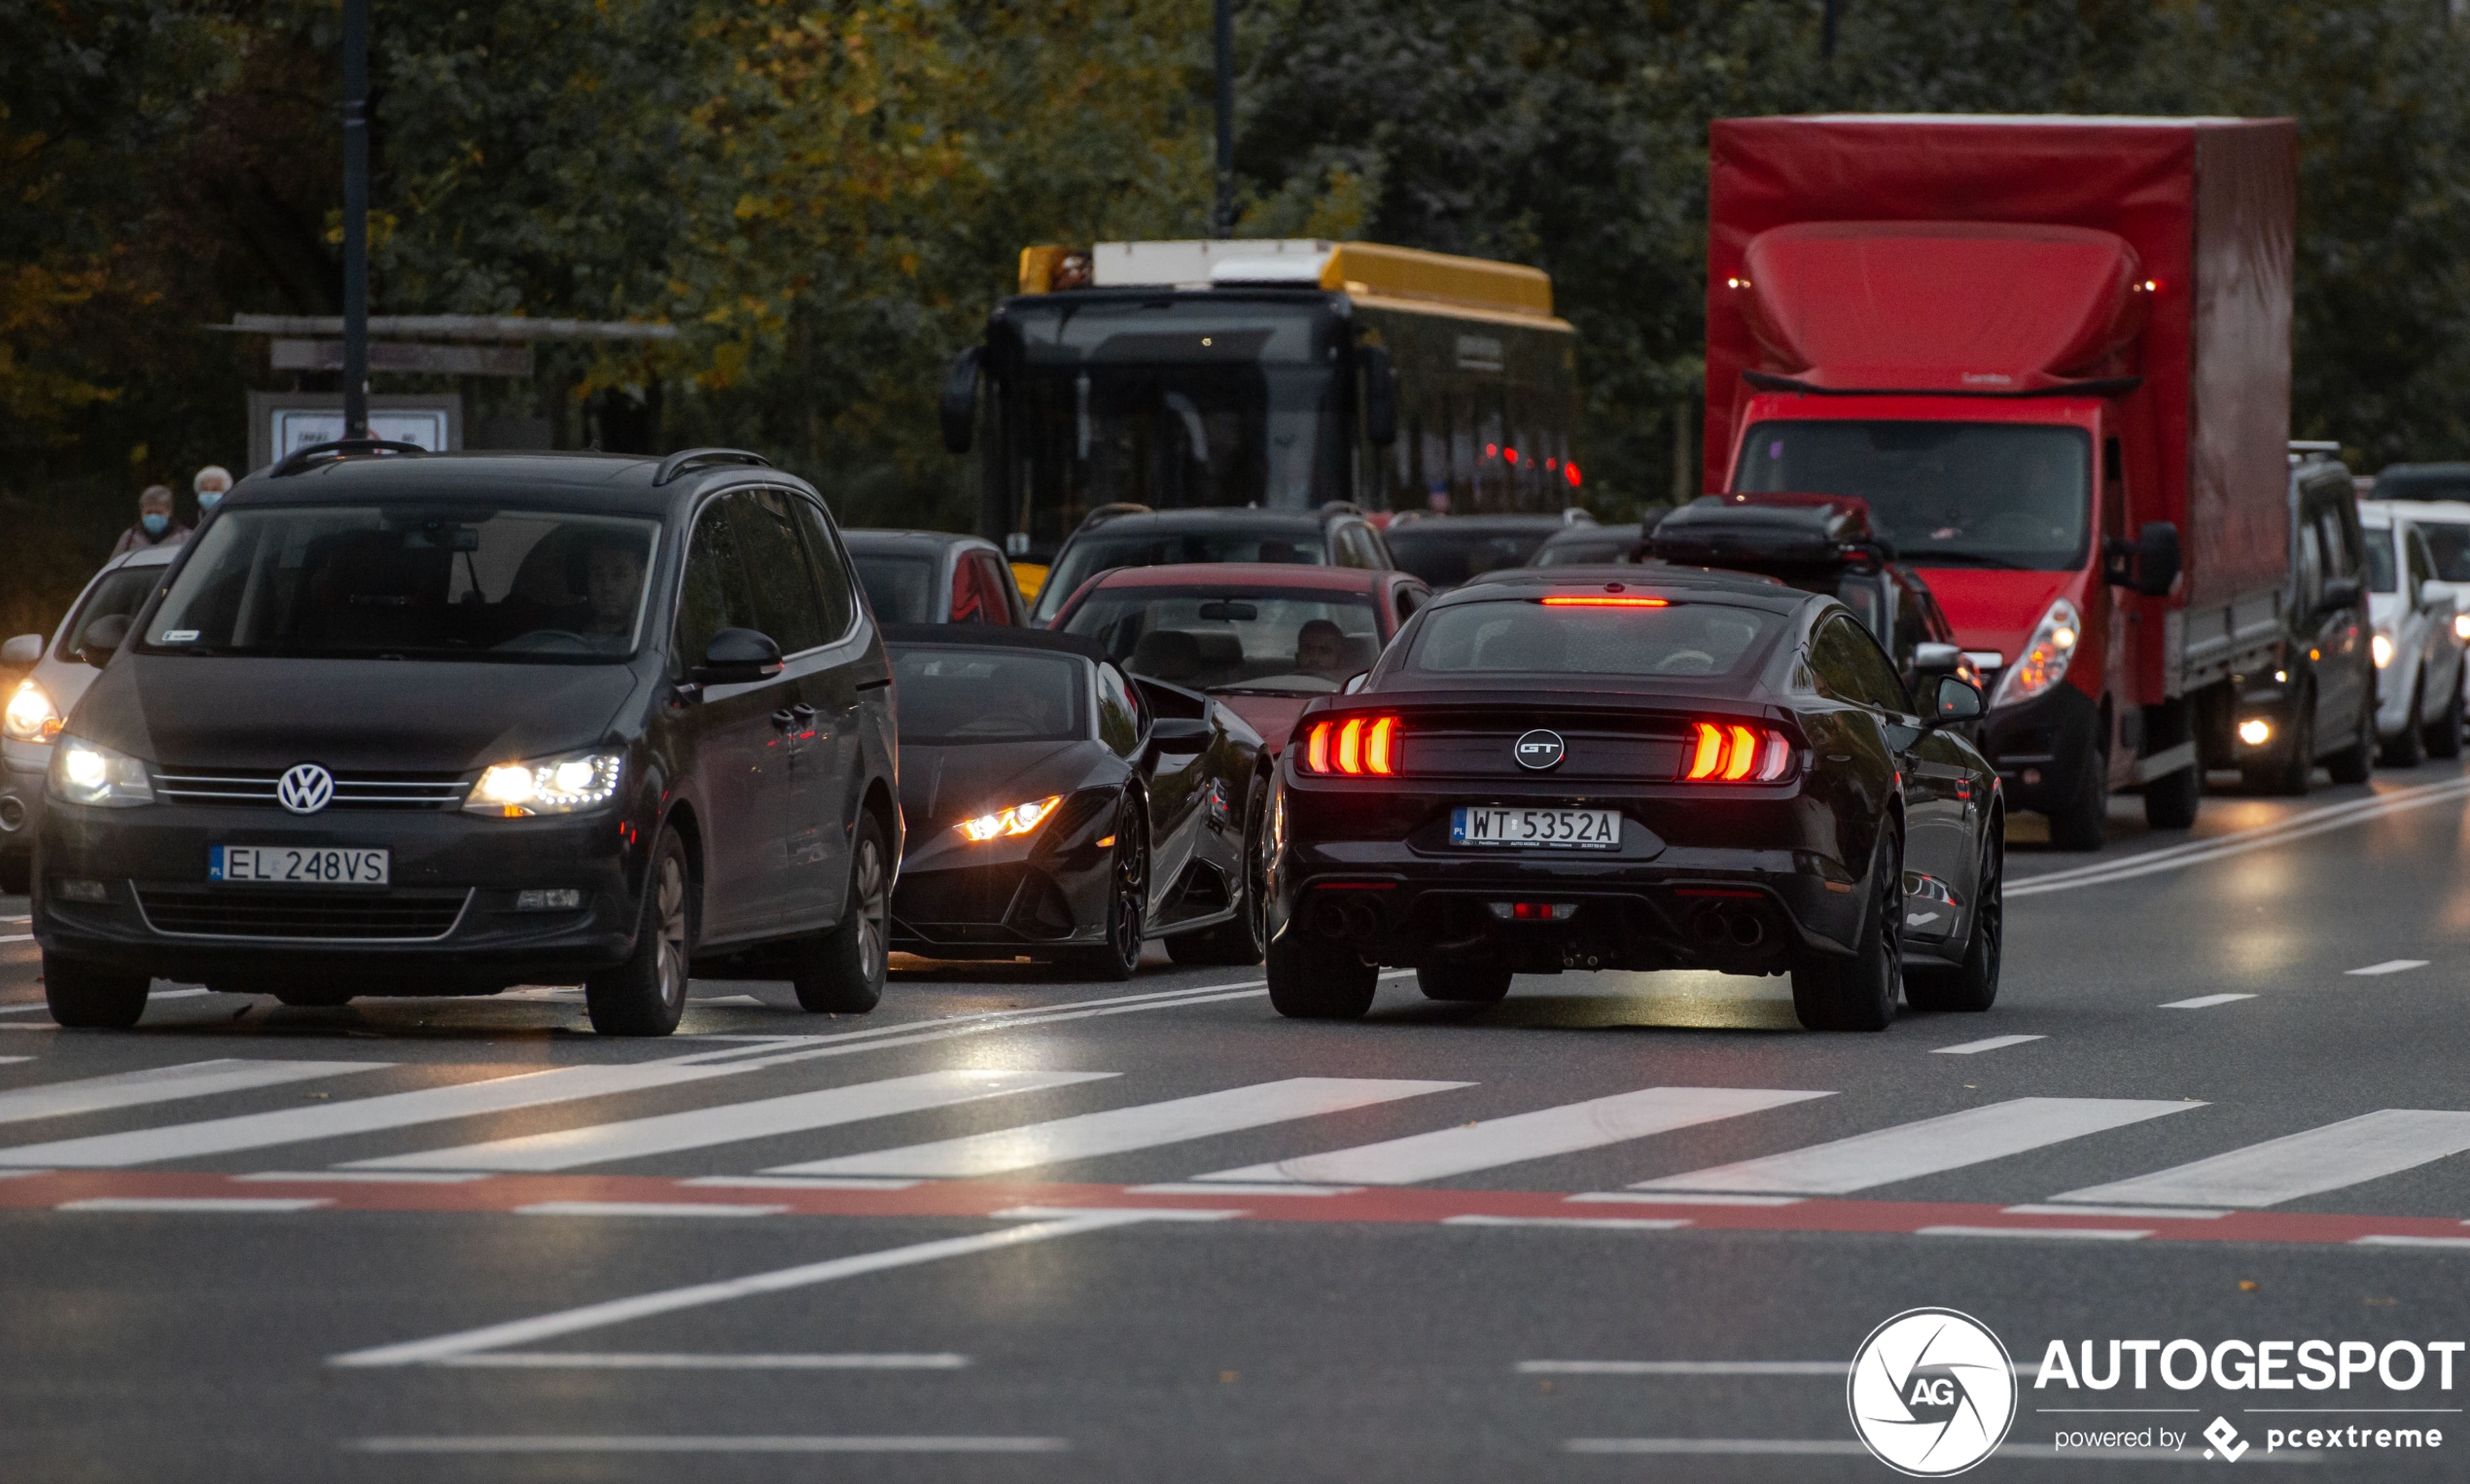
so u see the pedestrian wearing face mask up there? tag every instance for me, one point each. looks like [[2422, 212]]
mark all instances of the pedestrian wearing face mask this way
[[212, 483], [155, 526]]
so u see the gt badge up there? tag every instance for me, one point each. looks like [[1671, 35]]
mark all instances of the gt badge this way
[[1539, 750]]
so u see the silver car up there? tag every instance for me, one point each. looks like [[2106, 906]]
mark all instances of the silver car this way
[[38, 704], [2418, 643]]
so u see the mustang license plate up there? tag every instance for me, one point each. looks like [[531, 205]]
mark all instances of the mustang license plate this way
[[287, 863], [1537, 829]]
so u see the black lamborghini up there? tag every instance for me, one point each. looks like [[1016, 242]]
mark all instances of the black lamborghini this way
[[1061, 810], [1669, 769]]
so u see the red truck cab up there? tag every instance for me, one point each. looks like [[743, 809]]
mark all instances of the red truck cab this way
[[2053, 356]]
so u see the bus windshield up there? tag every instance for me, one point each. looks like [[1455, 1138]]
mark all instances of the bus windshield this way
[[1948, 494]]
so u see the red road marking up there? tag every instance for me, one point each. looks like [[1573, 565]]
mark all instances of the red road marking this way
[[983, 1199]]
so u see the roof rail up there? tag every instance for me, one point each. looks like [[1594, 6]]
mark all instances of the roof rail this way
[[2323, 446], [1106, 512], [341, 448], [683, 459]]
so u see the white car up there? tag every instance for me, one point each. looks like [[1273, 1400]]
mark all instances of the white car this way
[[2445, 523], [2418, 644], [38, 704]]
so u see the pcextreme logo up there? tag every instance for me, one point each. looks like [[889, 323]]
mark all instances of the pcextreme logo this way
[[1932, 1393]]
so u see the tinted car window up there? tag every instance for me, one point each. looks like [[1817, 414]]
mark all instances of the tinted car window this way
[[901, 588], [785, 602], [2422, 566], [1523, 637], [832, 587], [1832, 663], [1355, 549], [1880, 685], [1119, 714], [115, 594], [2448, 544], [714, 595], [1446, 555], [411, 582], [1306, 642], [987, 695], [991, 576], [2380, 576]]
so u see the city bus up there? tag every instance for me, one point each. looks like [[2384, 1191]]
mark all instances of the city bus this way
[[1285, 374]]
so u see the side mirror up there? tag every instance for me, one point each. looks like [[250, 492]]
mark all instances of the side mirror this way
[[1956, 701], [24, 652], [102, 638], [957, 412], [2149, 564], [2442, 597], [1180, 736], [1380, 398], [1355, 683], [2339, 592], [1937, 659], [737, 657]]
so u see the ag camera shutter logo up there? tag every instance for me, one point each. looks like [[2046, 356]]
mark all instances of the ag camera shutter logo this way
[[1932, 1393]]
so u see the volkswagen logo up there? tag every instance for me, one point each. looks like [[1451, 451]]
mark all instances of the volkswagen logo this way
[[1539, 750], [306, 789]]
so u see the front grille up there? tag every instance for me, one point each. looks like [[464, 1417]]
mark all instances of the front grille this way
[[333, 915], [251, 788]]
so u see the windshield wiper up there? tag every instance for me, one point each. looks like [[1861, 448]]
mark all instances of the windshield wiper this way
[[1963, 559]]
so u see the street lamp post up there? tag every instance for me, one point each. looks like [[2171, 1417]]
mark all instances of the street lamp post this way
[[355, 218]]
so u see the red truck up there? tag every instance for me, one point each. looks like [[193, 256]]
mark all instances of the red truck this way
[[2054, 356]]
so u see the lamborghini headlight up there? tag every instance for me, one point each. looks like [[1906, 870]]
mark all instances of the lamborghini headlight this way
[[567, 784], [1006, 823]]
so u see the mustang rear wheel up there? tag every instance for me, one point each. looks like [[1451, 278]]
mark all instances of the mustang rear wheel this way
[[1464, 983], [1973, 984], [645, 995], [1832, 992], [842, 970], [1312, 979]]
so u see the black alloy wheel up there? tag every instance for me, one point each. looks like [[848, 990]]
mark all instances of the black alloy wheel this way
[[1127, 903], [1464, 983], [88, 996], [2172, 802], [1243, 939], [1973, 984], [2444, 733], [1315, 978], [2356, 762], [2409, 746], [842, 971], [645, 995], [1833, 992]]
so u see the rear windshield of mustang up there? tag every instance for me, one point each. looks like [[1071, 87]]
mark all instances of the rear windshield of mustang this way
[[1529, 636], [412, 583]]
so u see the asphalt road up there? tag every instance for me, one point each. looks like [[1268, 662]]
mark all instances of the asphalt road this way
[[916, 1245]]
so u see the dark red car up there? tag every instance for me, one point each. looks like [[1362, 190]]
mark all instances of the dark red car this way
[[1262, 638]]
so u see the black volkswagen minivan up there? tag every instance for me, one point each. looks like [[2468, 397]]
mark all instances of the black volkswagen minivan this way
[[406, 723]]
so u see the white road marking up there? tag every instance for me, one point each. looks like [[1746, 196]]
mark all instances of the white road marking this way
[[646, 1207], [360, 1178], [1230, 1188], [2389, 966], [2204, 1001], [800, 1182], [165, 1084], [1121, 1130], [358, 1115], [1991, 1043], [2147, 1213], [237, 1204], [619, 1311], [1930, 1147], [17, 938], [2064, 1233], [2448, 1244], [1596, 1223], [2310, 822], [1833, 1368], [2368, 1147], [1538, 1135], [530, 1443], [1657, 1198], [730, 1122], [8, 1059], [556, 1360]]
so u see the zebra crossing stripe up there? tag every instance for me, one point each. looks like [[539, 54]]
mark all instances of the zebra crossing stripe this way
[[360, 1115], [2354, 1150], [1538, 1135], [1122, 1130], [163, 1085], [1930, 1147], [730, 1122]]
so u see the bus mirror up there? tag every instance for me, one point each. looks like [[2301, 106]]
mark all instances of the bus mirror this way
[[958, 410], [1380, 398]]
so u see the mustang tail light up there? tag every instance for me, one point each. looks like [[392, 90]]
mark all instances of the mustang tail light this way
[[1358, 747], [1719, 751]]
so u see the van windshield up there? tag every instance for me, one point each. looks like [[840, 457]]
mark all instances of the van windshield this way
[[1948, 494], [419, 582]]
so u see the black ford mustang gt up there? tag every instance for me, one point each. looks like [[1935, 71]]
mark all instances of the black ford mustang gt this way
[[1061, 810], [1671, 769]]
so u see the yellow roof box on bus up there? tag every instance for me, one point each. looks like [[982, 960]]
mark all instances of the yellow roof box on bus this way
[[1360, 269]]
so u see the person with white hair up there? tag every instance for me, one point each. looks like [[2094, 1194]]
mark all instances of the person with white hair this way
[[211, 484]]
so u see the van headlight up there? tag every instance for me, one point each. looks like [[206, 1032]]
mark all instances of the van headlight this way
[[567, 784], [2044, 660], [89, 773]]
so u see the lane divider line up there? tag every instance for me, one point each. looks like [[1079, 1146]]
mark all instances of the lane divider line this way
[[2202, 1001], [573, 1443], [561, 1360], [2389, 966], [2222, 847], [1992, 1044]]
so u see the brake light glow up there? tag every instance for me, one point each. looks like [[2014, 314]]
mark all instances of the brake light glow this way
[[1358, 747], [1735, 754], [1593, 602]]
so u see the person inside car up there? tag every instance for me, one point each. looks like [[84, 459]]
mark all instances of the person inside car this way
[[1320, 648], [612, 572]]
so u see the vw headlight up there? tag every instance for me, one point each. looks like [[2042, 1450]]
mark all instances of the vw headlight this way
[[2381, 647], [567, 784], [2044, 660], [1003, 824], [89, 773], [31, 716]]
